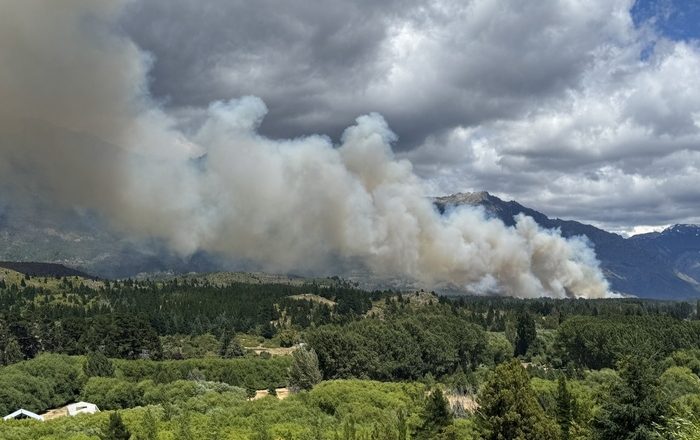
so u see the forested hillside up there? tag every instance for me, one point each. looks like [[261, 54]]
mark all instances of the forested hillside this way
[[212, 357]]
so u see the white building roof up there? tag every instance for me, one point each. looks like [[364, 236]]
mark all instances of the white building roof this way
[[82, 408], [23, 412]]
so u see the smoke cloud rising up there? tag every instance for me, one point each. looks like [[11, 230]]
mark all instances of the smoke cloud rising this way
[[77, 125]]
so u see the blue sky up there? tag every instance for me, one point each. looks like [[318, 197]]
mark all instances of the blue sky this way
[[675, 19]]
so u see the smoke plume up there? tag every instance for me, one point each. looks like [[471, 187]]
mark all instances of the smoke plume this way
[[77, 125]]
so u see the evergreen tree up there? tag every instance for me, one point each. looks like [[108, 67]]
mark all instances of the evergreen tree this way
[[224, 342], [304, 372], [116, 430], [636, 407], [268, 330], [436, 417], [565, 407], [509, 407], [11, 352], [97, 364], [526, 333], [233, 349]]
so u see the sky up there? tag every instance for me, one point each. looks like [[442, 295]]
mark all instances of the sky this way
[[588, 110]]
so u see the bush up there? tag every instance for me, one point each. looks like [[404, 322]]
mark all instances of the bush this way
[[44, 382], [110, 393], [97, 364], [243, 372], [405, 347]]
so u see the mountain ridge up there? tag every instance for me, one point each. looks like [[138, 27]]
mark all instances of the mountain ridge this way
[[39, 269], [663, 265], [645, 266]]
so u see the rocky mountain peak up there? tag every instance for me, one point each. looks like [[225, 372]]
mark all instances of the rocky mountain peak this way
[[465, 198], [682, 229]]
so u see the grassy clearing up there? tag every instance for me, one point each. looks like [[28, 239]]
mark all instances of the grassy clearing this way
[[314, 298]]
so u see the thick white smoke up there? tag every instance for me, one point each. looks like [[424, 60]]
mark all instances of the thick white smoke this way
[[77, 124]]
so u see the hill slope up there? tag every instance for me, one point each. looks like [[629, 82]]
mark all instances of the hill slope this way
[[43, 269], [82, 241], [678, 244]]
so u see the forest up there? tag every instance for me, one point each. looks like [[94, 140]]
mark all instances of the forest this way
[[190, 358]]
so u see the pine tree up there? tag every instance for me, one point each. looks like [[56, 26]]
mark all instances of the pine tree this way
[[436, 417], [526, 333], [233, 349], [11, 352], [224, 342], [97, 364], [565, 407], [509, 408], [636, 408], [116, 430], [268, 330]]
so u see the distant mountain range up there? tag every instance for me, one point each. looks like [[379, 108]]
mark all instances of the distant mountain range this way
[[79, 240], [43, 269], [662, 265]]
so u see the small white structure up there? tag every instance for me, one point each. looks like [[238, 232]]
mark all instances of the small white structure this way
[[23, 414], [82, 408]]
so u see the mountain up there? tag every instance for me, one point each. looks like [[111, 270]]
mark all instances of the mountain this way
[[80, 240], [657, 265], [679, 245], [43, 269], [664, 265]]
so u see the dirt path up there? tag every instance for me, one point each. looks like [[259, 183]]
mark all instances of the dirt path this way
[[282, 393], [277, 351]]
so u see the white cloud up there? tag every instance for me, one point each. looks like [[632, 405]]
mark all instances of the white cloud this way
[[621, 147]]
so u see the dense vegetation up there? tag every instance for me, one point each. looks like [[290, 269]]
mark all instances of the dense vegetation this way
[[404, 346], [184, 359], [125, 319]]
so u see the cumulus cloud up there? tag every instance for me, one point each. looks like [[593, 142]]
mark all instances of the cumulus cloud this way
[[622, 150], [426, 66], [554, 103], [80, 127]]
